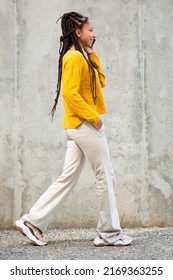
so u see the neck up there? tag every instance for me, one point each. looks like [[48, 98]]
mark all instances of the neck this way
[[72, 47]]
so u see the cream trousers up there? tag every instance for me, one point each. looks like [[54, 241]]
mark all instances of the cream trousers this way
[[82, 142]]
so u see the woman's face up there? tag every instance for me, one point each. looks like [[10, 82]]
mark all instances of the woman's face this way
[[86, 34]]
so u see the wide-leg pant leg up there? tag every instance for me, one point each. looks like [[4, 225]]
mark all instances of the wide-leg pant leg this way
[[93, 143], [43, 210]]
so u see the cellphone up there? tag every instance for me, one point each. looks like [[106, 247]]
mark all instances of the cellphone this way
[[93, 43]]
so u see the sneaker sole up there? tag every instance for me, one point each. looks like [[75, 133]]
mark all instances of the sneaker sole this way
[[26, 232], [100, 245], [124, 244], [115, 245]]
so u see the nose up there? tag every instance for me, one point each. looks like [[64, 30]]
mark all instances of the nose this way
[[94, 36]]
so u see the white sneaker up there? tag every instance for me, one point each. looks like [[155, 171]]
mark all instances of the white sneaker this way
[[34, 234], [123, 241]]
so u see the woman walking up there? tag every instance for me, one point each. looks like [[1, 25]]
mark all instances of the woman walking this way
[[82, 79]]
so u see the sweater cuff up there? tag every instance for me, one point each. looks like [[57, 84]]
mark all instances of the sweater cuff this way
[[96, 120], [93, 54]]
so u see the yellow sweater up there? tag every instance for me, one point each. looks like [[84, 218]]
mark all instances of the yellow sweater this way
[[76, 89]]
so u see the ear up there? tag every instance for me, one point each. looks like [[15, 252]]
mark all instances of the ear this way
[[78, 32]]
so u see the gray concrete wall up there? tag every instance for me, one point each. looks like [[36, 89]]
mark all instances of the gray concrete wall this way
[[135, 42]]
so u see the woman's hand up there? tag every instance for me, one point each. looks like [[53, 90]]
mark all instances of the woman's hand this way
[[89, 50], [98, 125]]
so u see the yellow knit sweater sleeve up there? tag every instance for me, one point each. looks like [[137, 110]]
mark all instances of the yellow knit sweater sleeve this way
[[71, 80], [94, 59]]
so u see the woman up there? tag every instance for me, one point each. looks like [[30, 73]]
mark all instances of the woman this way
[[82, 78]]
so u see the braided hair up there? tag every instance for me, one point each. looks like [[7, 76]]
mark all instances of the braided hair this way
[[69, 23]]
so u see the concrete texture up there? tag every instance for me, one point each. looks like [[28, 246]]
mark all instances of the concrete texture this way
[[134, 41]]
